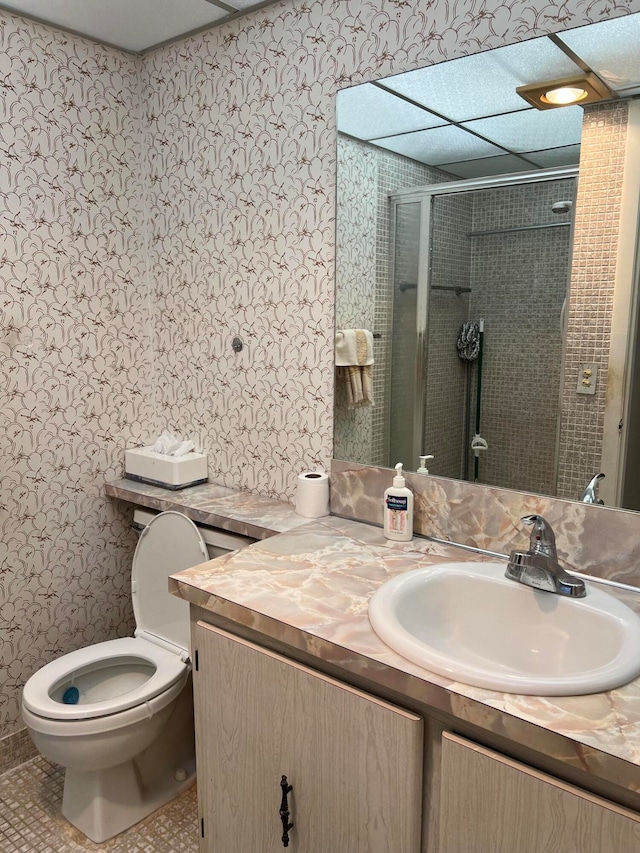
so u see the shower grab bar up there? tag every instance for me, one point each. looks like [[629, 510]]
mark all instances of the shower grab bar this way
[[456, 290], [520, 228], [404, 285]]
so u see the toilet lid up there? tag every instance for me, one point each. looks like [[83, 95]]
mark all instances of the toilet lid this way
[[170, 543]]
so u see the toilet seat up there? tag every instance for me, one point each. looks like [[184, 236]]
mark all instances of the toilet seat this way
[[90, 726], [169, 668], [135, 670]]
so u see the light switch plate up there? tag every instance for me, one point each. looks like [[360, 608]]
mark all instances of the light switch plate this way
[[587, 379]]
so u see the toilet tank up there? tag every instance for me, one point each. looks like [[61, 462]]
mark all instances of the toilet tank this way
[[218, 541]]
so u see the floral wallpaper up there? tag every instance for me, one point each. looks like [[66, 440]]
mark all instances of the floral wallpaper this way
[[151, 209], [241, 151], [75, 358]]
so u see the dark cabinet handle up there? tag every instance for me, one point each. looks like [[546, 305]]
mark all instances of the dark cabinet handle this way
[[284, 811]]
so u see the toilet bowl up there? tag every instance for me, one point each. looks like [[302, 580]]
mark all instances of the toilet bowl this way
[[118, 715]]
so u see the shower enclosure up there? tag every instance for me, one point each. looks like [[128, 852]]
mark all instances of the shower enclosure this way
[[491, 249]]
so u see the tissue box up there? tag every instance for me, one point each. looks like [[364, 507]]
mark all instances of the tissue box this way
[[171, 472]]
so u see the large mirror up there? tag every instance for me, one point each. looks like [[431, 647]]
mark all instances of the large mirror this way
[[490, 247]]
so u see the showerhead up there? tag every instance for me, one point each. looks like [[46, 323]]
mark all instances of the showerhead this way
[[562, 206]]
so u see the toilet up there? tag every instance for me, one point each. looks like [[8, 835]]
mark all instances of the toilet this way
[[118, 715]]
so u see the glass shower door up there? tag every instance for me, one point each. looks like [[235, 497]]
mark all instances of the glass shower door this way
[[407, 336], [449, 381], [501, 255]]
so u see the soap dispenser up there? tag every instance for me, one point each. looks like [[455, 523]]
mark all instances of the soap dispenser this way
[[398, 509], [423, 464]]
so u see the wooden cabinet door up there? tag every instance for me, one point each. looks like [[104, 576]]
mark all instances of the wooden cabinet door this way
[[355, 762], [491, 804]]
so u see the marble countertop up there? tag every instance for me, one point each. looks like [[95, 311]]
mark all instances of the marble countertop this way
[[309, 588], [217, 506]]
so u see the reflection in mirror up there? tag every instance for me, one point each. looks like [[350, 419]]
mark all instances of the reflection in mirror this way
[[497, 349], [497, 264]]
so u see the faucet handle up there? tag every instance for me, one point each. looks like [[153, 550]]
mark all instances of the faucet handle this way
[[542, 539]]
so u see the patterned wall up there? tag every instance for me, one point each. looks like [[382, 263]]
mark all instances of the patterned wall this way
[[75, 359], [239, 155], [242, 156]]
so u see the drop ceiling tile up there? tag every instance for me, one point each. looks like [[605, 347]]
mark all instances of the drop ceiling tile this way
[[367, 112], [501, 165], [567, 155], [483, 84], [532, 130], [130, 24], [612, 49], [446, 144]]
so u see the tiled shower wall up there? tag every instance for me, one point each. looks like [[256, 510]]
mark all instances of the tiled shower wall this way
[[604, 134], [519, 284], [402, 294], [447, 376], [232, 217]]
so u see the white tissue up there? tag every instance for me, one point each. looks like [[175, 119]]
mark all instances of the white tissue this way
[[165, 443], [183, 448], [170, 445]]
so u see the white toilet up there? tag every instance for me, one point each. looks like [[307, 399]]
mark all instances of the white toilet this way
[[124, 731]]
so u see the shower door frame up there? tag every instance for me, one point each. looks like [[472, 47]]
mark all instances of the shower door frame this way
[[422, 291], [425, 195]]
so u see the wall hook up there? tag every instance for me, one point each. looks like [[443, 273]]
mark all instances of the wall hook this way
[[237, 345]]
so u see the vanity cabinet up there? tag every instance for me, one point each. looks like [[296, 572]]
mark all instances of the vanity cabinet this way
[[357, 766], [354, 762], [492, 804]]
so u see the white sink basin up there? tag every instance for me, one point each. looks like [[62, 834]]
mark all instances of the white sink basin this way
[[468, 622]]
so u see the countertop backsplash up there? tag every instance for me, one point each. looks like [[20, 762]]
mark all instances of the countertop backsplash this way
[[599, 541]]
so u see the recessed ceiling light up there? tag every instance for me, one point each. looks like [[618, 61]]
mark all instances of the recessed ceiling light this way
[[581, 89], [564, 95]]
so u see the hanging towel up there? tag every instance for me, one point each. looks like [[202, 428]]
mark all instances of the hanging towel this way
[[354, 357], [359, 385], [354, 348]]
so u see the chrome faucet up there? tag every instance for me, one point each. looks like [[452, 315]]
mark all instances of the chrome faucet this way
[[538, 567], [590, 494]]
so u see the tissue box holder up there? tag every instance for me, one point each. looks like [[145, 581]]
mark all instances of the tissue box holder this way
[[170, 472]]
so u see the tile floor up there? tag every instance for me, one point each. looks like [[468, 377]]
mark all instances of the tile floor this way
[[31, 822]]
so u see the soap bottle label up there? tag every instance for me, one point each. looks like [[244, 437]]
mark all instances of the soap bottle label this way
[[397, 509], [397, 503]]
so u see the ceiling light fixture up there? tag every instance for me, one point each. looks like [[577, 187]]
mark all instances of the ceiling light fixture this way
[[581, 89]]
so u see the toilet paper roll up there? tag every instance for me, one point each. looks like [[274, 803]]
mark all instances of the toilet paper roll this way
[[312, 495]]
